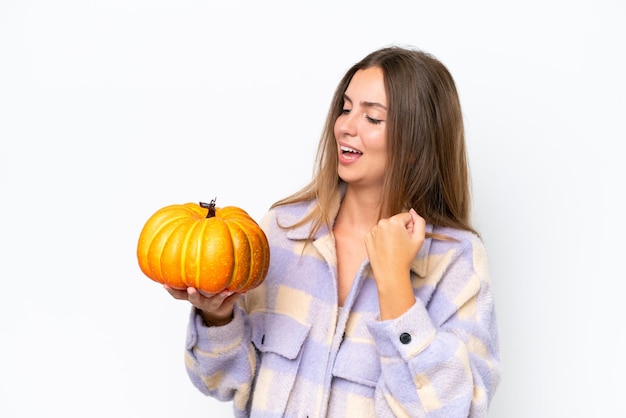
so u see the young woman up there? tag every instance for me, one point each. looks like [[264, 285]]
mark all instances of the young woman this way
[[378, 301]]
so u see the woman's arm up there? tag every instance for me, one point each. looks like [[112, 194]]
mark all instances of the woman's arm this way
[[439, 356], [221, 360]]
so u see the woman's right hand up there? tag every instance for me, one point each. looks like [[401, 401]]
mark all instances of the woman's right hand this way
[[216, 309]]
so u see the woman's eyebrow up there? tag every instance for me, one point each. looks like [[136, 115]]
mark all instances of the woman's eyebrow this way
[[374, 104], [365, 103]]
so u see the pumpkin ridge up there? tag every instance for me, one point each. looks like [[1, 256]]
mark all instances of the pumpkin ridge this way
[[263, 247], [234, 271], [203, 226], [234, 254], [260, 264], [183, 252], [158, 242], [168, 252], [218, 255], [244, 283], [152, 235]]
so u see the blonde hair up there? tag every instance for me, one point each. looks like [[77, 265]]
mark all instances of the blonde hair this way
[[427, 167]]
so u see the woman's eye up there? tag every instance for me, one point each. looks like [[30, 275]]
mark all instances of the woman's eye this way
[[345, 111], [374, 121]]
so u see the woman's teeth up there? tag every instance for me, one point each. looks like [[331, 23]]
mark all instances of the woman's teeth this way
[[351, 150]]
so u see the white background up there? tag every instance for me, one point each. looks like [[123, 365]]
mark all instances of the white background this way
[[112, 109]]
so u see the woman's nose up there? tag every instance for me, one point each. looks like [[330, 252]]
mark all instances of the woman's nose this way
[[347, 124]]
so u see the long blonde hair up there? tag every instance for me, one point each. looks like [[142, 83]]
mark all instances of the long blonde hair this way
[[427, 167]]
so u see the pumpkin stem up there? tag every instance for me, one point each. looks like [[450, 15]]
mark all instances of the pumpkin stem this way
[[210, 207]]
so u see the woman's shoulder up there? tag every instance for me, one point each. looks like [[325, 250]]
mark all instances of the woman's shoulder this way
[[458, 239], [286, 214], [298, 209], [457, 233], [466, 245]]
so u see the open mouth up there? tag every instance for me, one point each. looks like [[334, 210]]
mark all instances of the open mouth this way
[[349, 152]]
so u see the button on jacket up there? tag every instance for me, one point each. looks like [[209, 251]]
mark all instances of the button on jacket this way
[[291, 351]]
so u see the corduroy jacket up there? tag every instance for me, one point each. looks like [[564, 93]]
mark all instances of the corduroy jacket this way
[[291, 351]]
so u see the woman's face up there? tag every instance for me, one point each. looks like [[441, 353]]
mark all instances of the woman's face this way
[[360, 130]]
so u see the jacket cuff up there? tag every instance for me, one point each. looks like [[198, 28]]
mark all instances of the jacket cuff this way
[[215, 339], [405, 336]]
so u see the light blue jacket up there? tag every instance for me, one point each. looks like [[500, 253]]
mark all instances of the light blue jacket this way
[[291, 351]]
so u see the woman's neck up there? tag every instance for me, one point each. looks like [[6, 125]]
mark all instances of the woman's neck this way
[[359, 209]]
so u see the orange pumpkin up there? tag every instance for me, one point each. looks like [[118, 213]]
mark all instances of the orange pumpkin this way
[[202, 246]]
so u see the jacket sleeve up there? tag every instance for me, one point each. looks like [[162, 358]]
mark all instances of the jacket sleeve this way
[[441, 358], [220, 361]]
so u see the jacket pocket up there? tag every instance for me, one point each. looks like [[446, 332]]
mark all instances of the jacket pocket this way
[[358, 362], [279, 340], [278, 333]]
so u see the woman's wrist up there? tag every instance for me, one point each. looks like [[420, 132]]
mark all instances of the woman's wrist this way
[[213, 321]]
